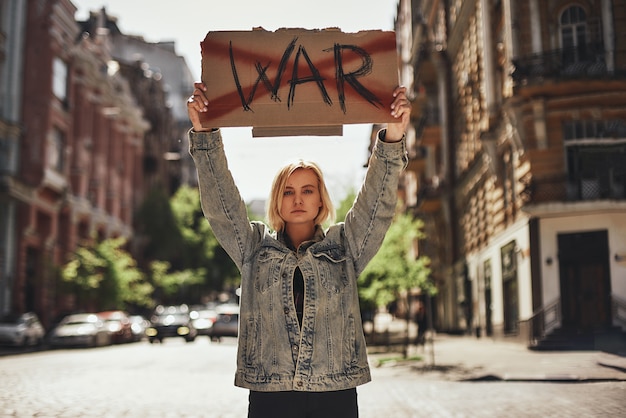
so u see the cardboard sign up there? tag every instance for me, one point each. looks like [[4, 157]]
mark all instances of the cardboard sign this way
[[298, 82]]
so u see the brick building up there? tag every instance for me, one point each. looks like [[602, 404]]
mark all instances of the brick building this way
[[520, 162], [12, 32], [161, 82], [79, 172]]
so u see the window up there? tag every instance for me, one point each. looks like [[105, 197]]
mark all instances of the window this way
[[596, 172], [595, 151], [592, 129], [573, 34], [59, 79], [55, 150]]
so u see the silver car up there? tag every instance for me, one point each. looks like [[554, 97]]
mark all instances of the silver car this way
[[87, 330], [21, 330]]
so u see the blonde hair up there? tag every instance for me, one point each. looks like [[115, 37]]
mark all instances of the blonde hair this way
[[327, 211]]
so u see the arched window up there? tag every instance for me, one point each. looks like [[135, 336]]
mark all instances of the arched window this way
[[573, 25]]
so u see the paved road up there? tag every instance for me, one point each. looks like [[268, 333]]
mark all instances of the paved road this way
[[176, 379]]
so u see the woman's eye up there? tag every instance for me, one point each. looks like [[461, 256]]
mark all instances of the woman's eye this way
[[287, 193]]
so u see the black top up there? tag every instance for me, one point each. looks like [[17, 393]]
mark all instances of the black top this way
[[298, 293]]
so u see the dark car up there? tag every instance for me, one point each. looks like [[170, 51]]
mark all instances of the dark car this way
[[169, 322], [118, 324], [227, 322]]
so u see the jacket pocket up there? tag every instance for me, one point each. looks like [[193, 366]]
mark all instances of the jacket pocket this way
[[249, 339], [267, 272], [332, 269], [349, 344]]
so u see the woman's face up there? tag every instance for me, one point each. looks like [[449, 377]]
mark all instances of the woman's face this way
[[301, 200]]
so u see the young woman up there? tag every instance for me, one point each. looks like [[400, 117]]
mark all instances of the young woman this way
[[301, 349]]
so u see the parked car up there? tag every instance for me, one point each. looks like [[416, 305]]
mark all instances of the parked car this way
[[171, 321], [138, 326], [203, 320], [227, 323], [118, 324], [86, 329], [21, 330]]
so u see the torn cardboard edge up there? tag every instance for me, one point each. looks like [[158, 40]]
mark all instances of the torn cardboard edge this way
[[294, 82]]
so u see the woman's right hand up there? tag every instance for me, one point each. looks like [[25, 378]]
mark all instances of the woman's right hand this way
[[196, 104]]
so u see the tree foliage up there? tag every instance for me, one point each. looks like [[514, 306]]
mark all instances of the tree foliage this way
[[395, 269], [181, 255], [172, 283], [344, 206], [203, 251], [105, 276], [182, 260], [159, 231]]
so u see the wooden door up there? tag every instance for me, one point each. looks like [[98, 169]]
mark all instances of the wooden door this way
[[585, 280]]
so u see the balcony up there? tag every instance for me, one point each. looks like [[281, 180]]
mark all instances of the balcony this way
[[582, 62], [561, 189]]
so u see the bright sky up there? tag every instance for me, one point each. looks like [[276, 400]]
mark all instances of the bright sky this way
[[255, 161]]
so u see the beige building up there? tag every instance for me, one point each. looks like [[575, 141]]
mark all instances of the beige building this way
[[519, 164]]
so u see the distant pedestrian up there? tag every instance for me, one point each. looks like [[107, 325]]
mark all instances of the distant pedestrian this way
[[301, 344], [422, 323]]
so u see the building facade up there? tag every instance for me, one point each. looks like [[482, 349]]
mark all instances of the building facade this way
[[79, 171], [155, 69], [522, 165], [100, 128], [12, 32]]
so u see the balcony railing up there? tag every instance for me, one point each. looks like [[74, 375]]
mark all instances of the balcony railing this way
[[561, 189], [586, 61]]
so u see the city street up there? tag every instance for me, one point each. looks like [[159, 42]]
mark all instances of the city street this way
[[178, 379]]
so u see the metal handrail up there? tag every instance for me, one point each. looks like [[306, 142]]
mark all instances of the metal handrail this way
[[618, 306], [543, 321]]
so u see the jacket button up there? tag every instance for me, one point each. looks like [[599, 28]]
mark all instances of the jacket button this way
[[294, 348], [299, 383], [286, 311]]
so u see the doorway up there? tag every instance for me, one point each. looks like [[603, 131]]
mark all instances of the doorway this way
[[585, 280], [508, 258]]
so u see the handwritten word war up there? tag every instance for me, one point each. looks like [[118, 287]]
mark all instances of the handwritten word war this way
[[314, 75]]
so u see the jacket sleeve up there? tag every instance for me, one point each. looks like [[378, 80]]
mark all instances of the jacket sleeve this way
[[221, 201], [371, 214]]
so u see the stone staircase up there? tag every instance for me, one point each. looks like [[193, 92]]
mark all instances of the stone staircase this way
[[611, 340]]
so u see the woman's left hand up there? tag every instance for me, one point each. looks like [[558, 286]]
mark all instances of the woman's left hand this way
[[401, 110]]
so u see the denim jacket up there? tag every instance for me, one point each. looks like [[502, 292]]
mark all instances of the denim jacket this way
[[327, 352]]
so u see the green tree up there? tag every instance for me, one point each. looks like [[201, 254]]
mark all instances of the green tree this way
[[105, 276], [202, 249], [158, 231], [395, 270], [197, 237], [178, 244], [345, 205], [171, 284]]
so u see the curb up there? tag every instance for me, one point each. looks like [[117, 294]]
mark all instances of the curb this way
[[542, 379]]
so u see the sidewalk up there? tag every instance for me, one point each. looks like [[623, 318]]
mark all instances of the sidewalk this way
[[465, 358]]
